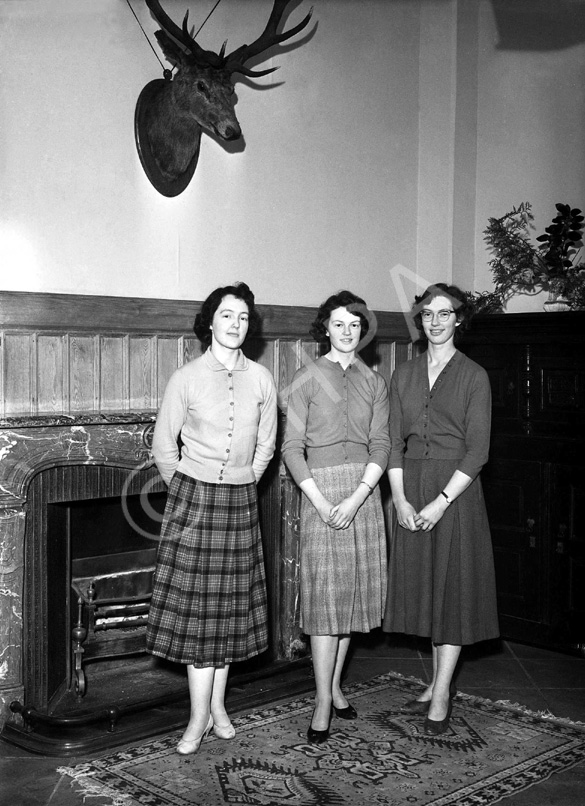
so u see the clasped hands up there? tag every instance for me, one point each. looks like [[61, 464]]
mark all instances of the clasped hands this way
[[339, 516], [425, 520]]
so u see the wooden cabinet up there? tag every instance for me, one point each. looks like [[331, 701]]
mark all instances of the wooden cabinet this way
[[534, 481]]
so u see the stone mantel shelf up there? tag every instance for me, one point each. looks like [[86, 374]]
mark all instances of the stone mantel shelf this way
[[87, 418]]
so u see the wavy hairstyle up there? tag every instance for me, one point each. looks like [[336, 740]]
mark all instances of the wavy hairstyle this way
[[459, 300], [204, 318], [343, 299]]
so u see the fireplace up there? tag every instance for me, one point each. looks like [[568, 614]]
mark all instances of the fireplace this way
[[81, 509], [71, 510]]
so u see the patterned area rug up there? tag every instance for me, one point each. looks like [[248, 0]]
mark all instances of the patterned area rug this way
[[491, 751]]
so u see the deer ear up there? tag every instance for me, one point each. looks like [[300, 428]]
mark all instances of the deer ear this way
[[173, 52]]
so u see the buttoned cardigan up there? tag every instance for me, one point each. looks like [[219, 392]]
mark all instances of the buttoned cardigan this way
[[225, 421], [450, 421], [335, 416]]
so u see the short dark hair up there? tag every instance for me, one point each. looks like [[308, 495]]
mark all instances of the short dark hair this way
[[343, 299], [459, 299], [204, 318]]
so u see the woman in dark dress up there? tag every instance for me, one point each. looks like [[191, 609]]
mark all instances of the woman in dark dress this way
[[441, 581], [215, 434]]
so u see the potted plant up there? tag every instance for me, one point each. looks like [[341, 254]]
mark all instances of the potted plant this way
[[552, 265]]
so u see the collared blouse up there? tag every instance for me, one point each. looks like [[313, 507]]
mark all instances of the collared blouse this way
[[225, 419]]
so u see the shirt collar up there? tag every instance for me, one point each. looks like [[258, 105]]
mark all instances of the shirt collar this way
[[217, 366], [357, 363]]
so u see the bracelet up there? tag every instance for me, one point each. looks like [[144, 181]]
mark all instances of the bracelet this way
[[371, 489], [444, 494]]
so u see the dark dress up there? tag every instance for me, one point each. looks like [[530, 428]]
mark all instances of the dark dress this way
[[441, 583]]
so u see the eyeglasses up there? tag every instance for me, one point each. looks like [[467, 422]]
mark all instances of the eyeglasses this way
[[443, 316]]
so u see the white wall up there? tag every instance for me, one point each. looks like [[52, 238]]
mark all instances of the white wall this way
[[386, 139], [320, 197], [531, 133]]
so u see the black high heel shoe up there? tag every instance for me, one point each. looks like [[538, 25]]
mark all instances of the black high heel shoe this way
[[416, 706], [348, 712], [435, 727], [318, 736], [422, 706]]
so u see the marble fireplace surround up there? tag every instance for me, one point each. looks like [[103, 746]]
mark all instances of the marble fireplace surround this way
[[27, 447]]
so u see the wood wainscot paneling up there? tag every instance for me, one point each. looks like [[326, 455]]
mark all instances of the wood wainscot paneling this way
[[67, 354]]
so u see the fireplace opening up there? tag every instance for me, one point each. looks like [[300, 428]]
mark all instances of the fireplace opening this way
[[101, 559]]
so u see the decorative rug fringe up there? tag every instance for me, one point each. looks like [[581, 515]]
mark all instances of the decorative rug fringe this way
[[83, 778], [514, 706]]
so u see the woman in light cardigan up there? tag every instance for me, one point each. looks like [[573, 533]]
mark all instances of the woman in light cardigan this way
[[336, 447], [214, 437]]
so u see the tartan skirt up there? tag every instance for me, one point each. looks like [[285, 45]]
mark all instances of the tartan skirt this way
[[343, 571], [208, 604]]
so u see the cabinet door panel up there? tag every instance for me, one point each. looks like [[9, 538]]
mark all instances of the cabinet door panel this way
[[512, 492], [504, 367], [567, 546]]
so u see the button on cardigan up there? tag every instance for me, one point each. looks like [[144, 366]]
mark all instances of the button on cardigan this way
[[226, 421], [335, 417]]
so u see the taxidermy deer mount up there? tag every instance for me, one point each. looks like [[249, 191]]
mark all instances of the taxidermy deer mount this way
[[172, 111]]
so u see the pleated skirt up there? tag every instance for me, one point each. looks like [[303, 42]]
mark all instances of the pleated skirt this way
[[441, 584], [209, 604], [342, 572]]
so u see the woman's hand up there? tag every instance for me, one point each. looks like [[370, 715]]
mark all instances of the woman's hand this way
[[325, 509], [431, 514], [344, 513], [407, 516]]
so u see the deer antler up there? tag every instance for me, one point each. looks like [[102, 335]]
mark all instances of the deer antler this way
[[234, 62], [182, 35], [163, 19]]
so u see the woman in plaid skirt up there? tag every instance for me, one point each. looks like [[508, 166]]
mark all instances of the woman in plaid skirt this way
[[214, 437], [336, 447]]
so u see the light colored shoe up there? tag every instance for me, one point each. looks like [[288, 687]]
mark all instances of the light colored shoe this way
[[224, 731], [186, 747]]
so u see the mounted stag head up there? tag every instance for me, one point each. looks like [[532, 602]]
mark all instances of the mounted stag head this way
[[171, 112]]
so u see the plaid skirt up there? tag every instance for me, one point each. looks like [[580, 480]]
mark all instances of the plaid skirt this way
[[343, 571], [208, 604]]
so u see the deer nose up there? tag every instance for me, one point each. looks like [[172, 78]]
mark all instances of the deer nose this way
[[231, 133]]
